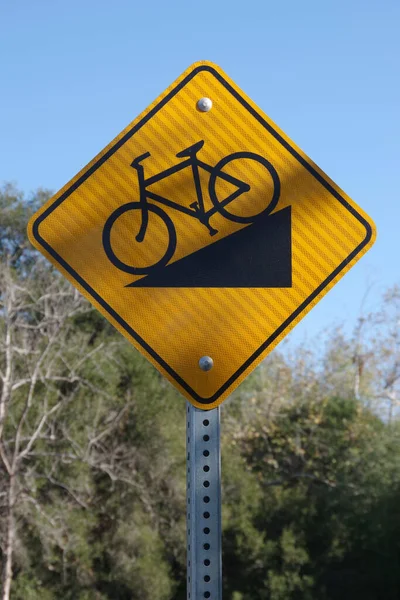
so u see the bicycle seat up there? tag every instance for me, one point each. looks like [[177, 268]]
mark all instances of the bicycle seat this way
[[191, 150], [136, 161]]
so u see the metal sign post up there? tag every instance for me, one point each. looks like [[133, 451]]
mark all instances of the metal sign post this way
[[204, 561]]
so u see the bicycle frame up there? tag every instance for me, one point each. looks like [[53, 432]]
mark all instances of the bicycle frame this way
[[196, 210]]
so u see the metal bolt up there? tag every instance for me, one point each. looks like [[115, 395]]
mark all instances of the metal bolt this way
[[204, 104], [206, 363]]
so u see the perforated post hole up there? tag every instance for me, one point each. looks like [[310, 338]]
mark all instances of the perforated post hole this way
[[204, 565]]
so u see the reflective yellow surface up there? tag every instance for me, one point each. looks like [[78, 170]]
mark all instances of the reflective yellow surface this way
[[175, 326]]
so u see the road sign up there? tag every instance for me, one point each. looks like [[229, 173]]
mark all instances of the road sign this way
[[202, 230]]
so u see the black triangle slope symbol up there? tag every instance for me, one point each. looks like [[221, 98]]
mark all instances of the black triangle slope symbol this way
[[260, 255]]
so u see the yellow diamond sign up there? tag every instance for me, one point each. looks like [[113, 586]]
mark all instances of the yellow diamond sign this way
[[202, 230]]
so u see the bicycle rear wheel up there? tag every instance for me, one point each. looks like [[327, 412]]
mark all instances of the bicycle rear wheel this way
[[155, 213], [223, 206]]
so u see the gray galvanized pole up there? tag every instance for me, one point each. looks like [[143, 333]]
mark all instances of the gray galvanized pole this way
[[204, 561]]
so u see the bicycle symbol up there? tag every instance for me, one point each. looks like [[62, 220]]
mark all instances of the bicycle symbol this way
[[196, 210]]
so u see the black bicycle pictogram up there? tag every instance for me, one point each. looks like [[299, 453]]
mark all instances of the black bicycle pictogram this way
[[196, 210]]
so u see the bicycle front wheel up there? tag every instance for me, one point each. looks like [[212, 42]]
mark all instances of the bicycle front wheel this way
[[119, 241], [266, 187]]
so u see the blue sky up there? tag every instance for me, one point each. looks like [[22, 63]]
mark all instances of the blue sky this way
[[73, 74]]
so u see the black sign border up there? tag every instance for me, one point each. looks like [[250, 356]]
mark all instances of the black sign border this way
[[117, 317]]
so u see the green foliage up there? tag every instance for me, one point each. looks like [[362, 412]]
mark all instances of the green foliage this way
[[311, 465], [15, 211], [29, 587], [329, 474]]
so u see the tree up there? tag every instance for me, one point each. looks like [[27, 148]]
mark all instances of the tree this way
[[92, 455], [321, 521], [46, 363], [40, 374]]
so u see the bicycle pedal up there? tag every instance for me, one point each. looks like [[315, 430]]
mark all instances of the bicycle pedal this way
[[194, 205]]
